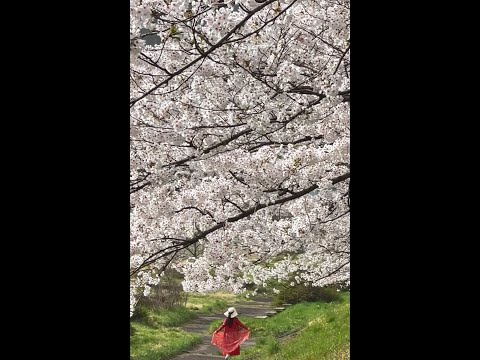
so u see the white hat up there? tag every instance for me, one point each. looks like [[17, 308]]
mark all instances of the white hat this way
[[231, 311]]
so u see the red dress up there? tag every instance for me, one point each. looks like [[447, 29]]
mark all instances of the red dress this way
[[229, 338]]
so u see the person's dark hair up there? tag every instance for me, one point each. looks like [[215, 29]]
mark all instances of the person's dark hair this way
[[229, 320]]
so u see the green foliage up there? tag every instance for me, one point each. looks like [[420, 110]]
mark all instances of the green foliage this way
[[300, 293], [169, 293]]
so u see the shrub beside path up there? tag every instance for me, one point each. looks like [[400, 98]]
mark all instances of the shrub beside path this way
[[200, 326]]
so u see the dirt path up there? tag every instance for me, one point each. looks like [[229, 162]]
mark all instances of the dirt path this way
[[200, 326]]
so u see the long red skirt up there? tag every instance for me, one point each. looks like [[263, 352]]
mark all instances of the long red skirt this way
[[229, 342]]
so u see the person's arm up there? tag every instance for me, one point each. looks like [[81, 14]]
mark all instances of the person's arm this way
[[242, 325], [220, 328]]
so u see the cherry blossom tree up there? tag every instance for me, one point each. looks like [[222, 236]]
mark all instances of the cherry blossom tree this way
[[240, 141]]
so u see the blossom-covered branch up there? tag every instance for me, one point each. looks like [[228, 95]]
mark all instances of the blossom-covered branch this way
[[240, 142]]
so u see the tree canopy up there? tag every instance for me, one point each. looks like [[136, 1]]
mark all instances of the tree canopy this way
[[239, 142]]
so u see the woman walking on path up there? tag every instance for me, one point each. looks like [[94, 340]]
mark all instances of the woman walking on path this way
[[231, 334]]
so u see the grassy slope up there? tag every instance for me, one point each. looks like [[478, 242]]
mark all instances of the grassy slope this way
[[307, 331], [219, 301], [159, 344], [157, 334]]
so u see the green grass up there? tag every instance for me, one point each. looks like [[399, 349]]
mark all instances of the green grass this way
[[212, 303], [163, 318], [151, 343], [307, 331], [291, 320], [157, 336]]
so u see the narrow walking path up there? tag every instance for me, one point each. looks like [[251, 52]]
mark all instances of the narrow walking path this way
[[206, 350]]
